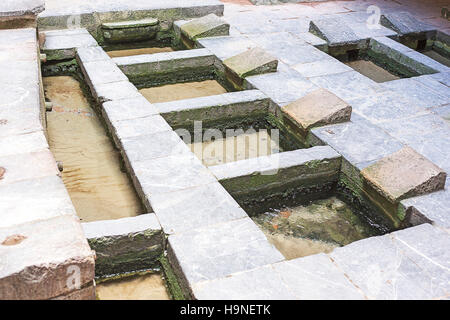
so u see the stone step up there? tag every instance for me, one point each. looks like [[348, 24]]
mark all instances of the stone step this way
[[125, 245], [318, 108], [404, 174], [207, 26], [404, 23], [44, 258]]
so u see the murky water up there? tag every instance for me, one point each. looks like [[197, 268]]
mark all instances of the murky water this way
[[142, 287], [372, 71], [134, 52], [181, 91], [437, 57], [319, 226], [244, 146], [98, 188]]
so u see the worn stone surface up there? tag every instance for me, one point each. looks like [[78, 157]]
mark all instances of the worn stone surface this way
[[207, 26], [321, 68], [10, 8], [32, 142], [335, 32], [126, 109], [196, 207], [44, 262], [316, 277], [115, 91], [90, 54], [129, 31], [27, 166], [170, 173], [318, 108], [404, 23], [262, 283], [404, 174], [101, 72], [219, 250], [401, 265], [125, 245], [62, 44], [124, 129], [251, 62]]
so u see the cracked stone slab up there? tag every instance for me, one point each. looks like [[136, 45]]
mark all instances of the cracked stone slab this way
[[39, 257], [407, 264], [207, 26], [404, 23], [170, 173], [318, 108], [251, 62], [262, 283], [196, 207], [27, 166], [220, 250], [125, 245], [404, 174], [35, 199], [316, 277]]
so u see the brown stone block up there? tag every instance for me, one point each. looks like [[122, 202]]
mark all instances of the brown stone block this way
[[404, 174], [318, 108]]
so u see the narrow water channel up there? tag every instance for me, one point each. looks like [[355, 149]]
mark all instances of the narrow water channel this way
[[180, 91], [134, 52], [98, 188], [318, 226], [372, 71], [142, 287]]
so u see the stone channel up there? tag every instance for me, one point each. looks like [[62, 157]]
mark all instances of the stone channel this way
[[208, 149]]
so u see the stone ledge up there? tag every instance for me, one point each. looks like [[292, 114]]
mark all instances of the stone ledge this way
[[318, 108], [404, 23], [207, 26], [10, 8], [39, 258], [125, 245], [336, 33], [274, 173], [404, 174], [218, 251]]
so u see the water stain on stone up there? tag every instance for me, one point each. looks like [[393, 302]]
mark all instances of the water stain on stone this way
[[98, 188], [319, 226], [13, 240]]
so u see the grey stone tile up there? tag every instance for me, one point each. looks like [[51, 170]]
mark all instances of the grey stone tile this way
[[404, 23], [126, 109], [15, 120], [357, 142], [196, 207], [220, 250], [153, 145], [124, 129], [282, 86], [16, 144], [26, 166], [226, 47], [316, 277], [172, 173], [115, 91], [35, 199], [262, 283], [11, 8]]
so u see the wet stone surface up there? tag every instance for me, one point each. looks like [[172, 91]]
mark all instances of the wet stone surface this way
[[317, 226]]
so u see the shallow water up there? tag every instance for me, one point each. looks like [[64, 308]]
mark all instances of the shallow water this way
[[319, 226], [98, 188], [143, 287], [244, 146], [437, 57], [134, 52], [372, 71], [181, 91]]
